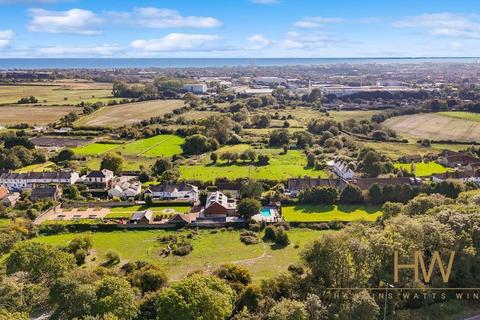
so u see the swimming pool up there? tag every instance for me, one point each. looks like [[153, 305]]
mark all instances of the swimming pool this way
[[266, 212]]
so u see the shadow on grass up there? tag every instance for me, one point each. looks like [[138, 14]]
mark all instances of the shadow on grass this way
[[341, 208], [277, 246]]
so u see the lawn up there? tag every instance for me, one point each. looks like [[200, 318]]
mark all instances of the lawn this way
[[462, 115], [47, 166], [320, 213], [210, 249], [129, 163], [436, 126], [161, 145], [126, 212], [95, 149], [53, 94], [422, 169], [130, 113], [31, 115], [281, 167]]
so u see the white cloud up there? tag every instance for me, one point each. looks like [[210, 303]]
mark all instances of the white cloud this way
[[106, 50], [443, 24], [316, 22], [75, 21], [178, 42], [163, 18], [5, 38], [295, 40], [265, 1], [259, 41]]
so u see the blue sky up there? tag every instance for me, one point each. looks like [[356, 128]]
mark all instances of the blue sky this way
[[239, 28]]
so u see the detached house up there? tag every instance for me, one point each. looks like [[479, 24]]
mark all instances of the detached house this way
[[219, 205], [341, 169], [101, 179], [141, 217], [126, 190], [181, 191]]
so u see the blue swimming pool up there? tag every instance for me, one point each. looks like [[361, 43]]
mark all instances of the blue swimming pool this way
[[266, 212]]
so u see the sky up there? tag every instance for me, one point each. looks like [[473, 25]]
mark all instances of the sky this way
[[239, 28]]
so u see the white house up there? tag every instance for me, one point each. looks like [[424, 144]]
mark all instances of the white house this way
[[341, 169], [126, 190], [100, 179], [19, 181], [182, 191], [199, 88]]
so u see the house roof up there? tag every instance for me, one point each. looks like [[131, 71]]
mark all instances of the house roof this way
[[139, 215], [48, 192], [3, 192], [181, 187], [220, 199], [97, 174]]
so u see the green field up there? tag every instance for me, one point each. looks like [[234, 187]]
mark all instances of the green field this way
[[209, 250], [53, 94], [129, 163], [358, 115], [161, 145], [47, 166], [395, 150], [462, 115], [319, 213], [280, 167], [422, 169], [126, 212], [95, 149], [129, 113]]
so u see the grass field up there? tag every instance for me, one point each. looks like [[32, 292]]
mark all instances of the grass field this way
[[161, 145], [47, 166], [126, 212], [209, 250], [341, 116], [33, 115], [422, 169], [129, 163], [53, 94], [95, 149], [436, 126], [280, 167], [396, 150], [318, 213], [462, 115], [125, 114]]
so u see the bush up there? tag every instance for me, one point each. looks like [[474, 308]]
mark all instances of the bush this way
[[111, 258], [270, 234], [281, 237], [249, 237], [182, 249]]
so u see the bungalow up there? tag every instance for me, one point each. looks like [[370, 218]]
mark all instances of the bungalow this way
[[182, 191], [99, 179], [456, 159], [341, 169], [465, 176], [46, 193], [11, 199], [366, 183], [141, 217], [183, 219], [301, 184], [219, 205]]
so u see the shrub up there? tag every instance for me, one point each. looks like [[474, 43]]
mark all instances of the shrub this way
[[111, 258], [182, 249], [249, 237]]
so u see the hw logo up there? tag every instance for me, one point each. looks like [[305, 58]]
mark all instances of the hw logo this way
[[419, 263]]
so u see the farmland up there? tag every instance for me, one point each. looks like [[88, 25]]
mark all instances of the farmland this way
[[281, 166], [161, 145], [434, 126], [95, 149], [33, 115], [126, 212], [125, 114], [321, 213], [210, 250], [422, 169], [53, 94]]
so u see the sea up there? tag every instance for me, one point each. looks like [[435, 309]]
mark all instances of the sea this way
[[117, 63]]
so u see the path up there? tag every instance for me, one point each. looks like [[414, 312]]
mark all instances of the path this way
[[253, 260]]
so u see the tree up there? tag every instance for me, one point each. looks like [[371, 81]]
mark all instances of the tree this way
[[249, 207], [65, 155], [288, 310], [375, 194], [148, 278], [112, 162], [352, 194], [235, 275], [251, 189], [161, 165], [39, 260], [214, 157], [281, 237], [115, 296], [362, 307], [279, 137], [196, 297], [197, 144], [319, 195], [391, 209], [263, 159]]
